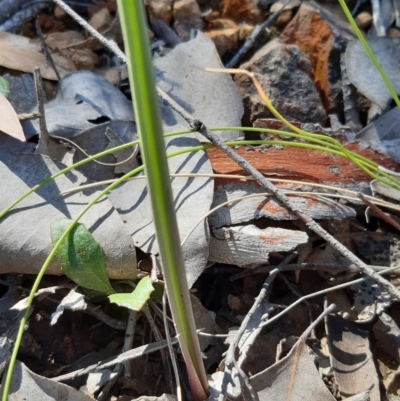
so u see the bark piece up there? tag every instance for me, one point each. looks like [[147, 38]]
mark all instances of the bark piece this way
[[249, 246], [239, 10], [256, 207]]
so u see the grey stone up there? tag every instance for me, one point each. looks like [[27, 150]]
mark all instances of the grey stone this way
[[284, 73]]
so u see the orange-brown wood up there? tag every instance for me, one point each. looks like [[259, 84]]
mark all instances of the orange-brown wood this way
[[301, 164]]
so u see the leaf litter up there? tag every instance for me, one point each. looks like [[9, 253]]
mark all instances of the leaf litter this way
[[242, 235]]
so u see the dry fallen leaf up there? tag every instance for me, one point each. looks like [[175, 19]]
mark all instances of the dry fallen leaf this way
[[9, 122]]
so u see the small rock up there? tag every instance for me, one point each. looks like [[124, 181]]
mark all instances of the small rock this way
[[59, 41], [393, 32], [110, 5], [160, 9], [212, 16], [187, 16], [222, 23], [323, 37], [284, 73], [240, 10], [84, 59], [245, 30], [224, 40], [364, 20], [283, 18], [59, 13], [278, 5]]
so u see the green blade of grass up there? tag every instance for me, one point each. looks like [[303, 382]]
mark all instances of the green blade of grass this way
[[369, 51], [148, 118]]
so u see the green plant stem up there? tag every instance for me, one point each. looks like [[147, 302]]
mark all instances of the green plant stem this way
[[148, 119], [370, 53]]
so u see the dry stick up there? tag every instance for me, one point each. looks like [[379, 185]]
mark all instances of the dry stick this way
[[45, 49], [158, 337], [298, 294], [318, 293], [112, 361], [128, 342], [326, 267], [379, 212], [44, 133]]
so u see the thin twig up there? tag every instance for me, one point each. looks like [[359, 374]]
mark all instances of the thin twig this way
[[125, 356], [322, 292], [379, 212], [298, 294], [128, 341], [158, 337], [44, 133], [46, 50], [326, 267], [109, 44], [71, 144]]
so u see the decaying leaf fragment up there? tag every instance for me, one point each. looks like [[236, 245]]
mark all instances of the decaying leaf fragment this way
[[294, 377], [9, 122], [351, 357], [26, 385]]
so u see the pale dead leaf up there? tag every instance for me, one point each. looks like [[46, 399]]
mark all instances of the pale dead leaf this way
[[26, 385], [9, 122], [293, 378], [23, 54], [72, 301]]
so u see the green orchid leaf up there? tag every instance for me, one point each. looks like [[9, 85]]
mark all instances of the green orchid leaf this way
[[136, 299], [80, 257]]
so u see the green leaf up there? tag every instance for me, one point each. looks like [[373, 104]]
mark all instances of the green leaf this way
[[4, 87], [136, 299], [80, 257]]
